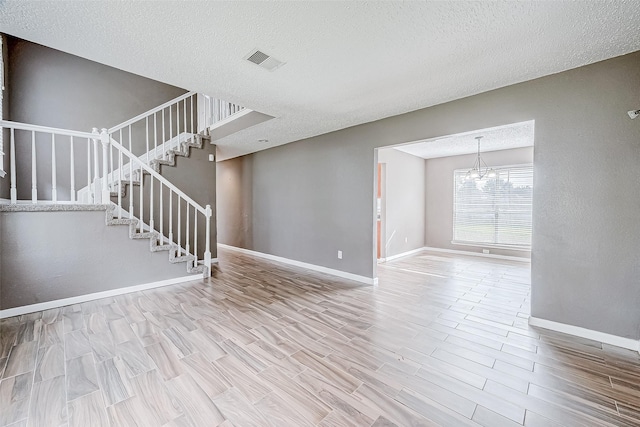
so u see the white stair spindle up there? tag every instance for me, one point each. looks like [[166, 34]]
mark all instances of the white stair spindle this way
[[110, 180], [170, 216], [12, 160], [54, 190], [96, 168], [146, 130], [179, 229], [34, 174], [178, 123], [170, 127], [193, 126], [130, 192], [187, 231], [195, 233], [140, 222], [184, 114], [120, 184], [89, 170], [73, 170], [161, 217], [164, 139], [122, 143], [104, 138], [151, 223], [207, 236], [205, 103], [155, 136]]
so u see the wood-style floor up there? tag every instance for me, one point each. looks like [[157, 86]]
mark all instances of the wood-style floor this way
[[442, 340]]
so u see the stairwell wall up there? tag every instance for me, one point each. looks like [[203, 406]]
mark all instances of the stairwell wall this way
[[48, 256], [48, 87]]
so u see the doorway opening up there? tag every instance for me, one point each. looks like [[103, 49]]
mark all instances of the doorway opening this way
[[427, 199]]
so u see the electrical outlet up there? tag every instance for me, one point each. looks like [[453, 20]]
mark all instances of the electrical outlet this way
[[339, 254], [406, 239], [485, 251]]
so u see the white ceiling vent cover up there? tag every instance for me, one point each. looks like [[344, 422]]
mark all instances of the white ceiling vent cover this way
[[263, 60]]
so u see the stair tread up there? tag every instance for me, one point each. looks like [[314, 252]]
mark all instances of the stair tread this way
[[122, 221], [145, 235]]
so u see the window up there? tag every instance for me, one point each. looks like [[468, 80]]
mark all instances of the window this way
[[494, 211]]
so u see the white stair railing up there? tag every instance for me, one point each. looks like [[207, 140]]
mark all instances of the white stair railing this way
[[95, 149], [155, 127], [217, 110], [113, 158], [147, 207], [32, 136]]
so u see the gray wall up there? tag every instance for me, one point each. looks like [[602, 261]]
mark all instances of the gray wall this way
[[315, 196], [52, 88], [307, 201], [404, 201], [51, 255], [234, 203], [439, 191]]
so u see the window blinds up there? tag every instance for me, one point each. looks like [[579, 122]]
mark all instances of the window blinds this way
[[494, 211]]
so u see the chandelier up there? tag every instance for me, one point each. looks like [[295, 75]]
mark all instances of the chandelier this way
[[480, 169]]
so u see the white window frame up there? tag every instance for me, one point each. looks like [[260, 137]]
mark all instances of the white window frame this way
[[524, 248]]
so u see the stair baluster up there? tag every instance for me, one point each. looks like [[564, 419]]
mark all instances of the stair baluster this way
[[54, 189], [120, 186], [34, 174], [141, 178], [12, 160], [161, 219], [89, 198], [72, 172], [186, 246]]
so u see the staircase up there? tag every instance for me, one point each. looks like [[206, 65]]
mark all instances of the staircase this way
[[123, 168], [155, 244]]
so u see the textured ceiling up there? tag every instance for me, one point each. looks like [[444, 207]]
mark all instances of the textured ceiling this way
[[515, 135], [346, 62]]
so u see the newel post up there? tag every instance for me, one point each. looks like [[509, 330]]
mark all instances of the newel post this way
[[207, 250], [96, 170], [104, 138]]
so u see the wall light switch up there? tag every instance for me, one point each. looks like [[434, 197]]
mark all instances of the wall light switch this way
[[339, 254], [211, 158]]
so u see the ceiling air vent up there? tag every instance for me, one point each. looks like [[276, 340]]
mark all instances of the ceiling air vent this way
[[263, 60]]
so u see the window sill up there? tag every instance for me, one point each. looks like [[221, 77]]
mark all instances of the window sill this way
[[492, 246]]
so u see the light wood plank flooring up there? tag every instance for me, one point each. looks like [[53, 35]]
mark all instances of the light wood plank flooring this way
[[442, 340]]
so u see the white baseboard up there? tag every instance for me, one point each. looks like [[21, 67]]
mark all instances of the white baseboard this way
[[314, 267], [495, 256], [402, 255], [577, 331], [16, 311]]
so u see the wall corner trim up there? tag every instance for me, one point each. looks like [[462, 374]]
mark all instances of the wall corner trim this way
[[314, 267], [16, 311], [577, 331], [455, 251]]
